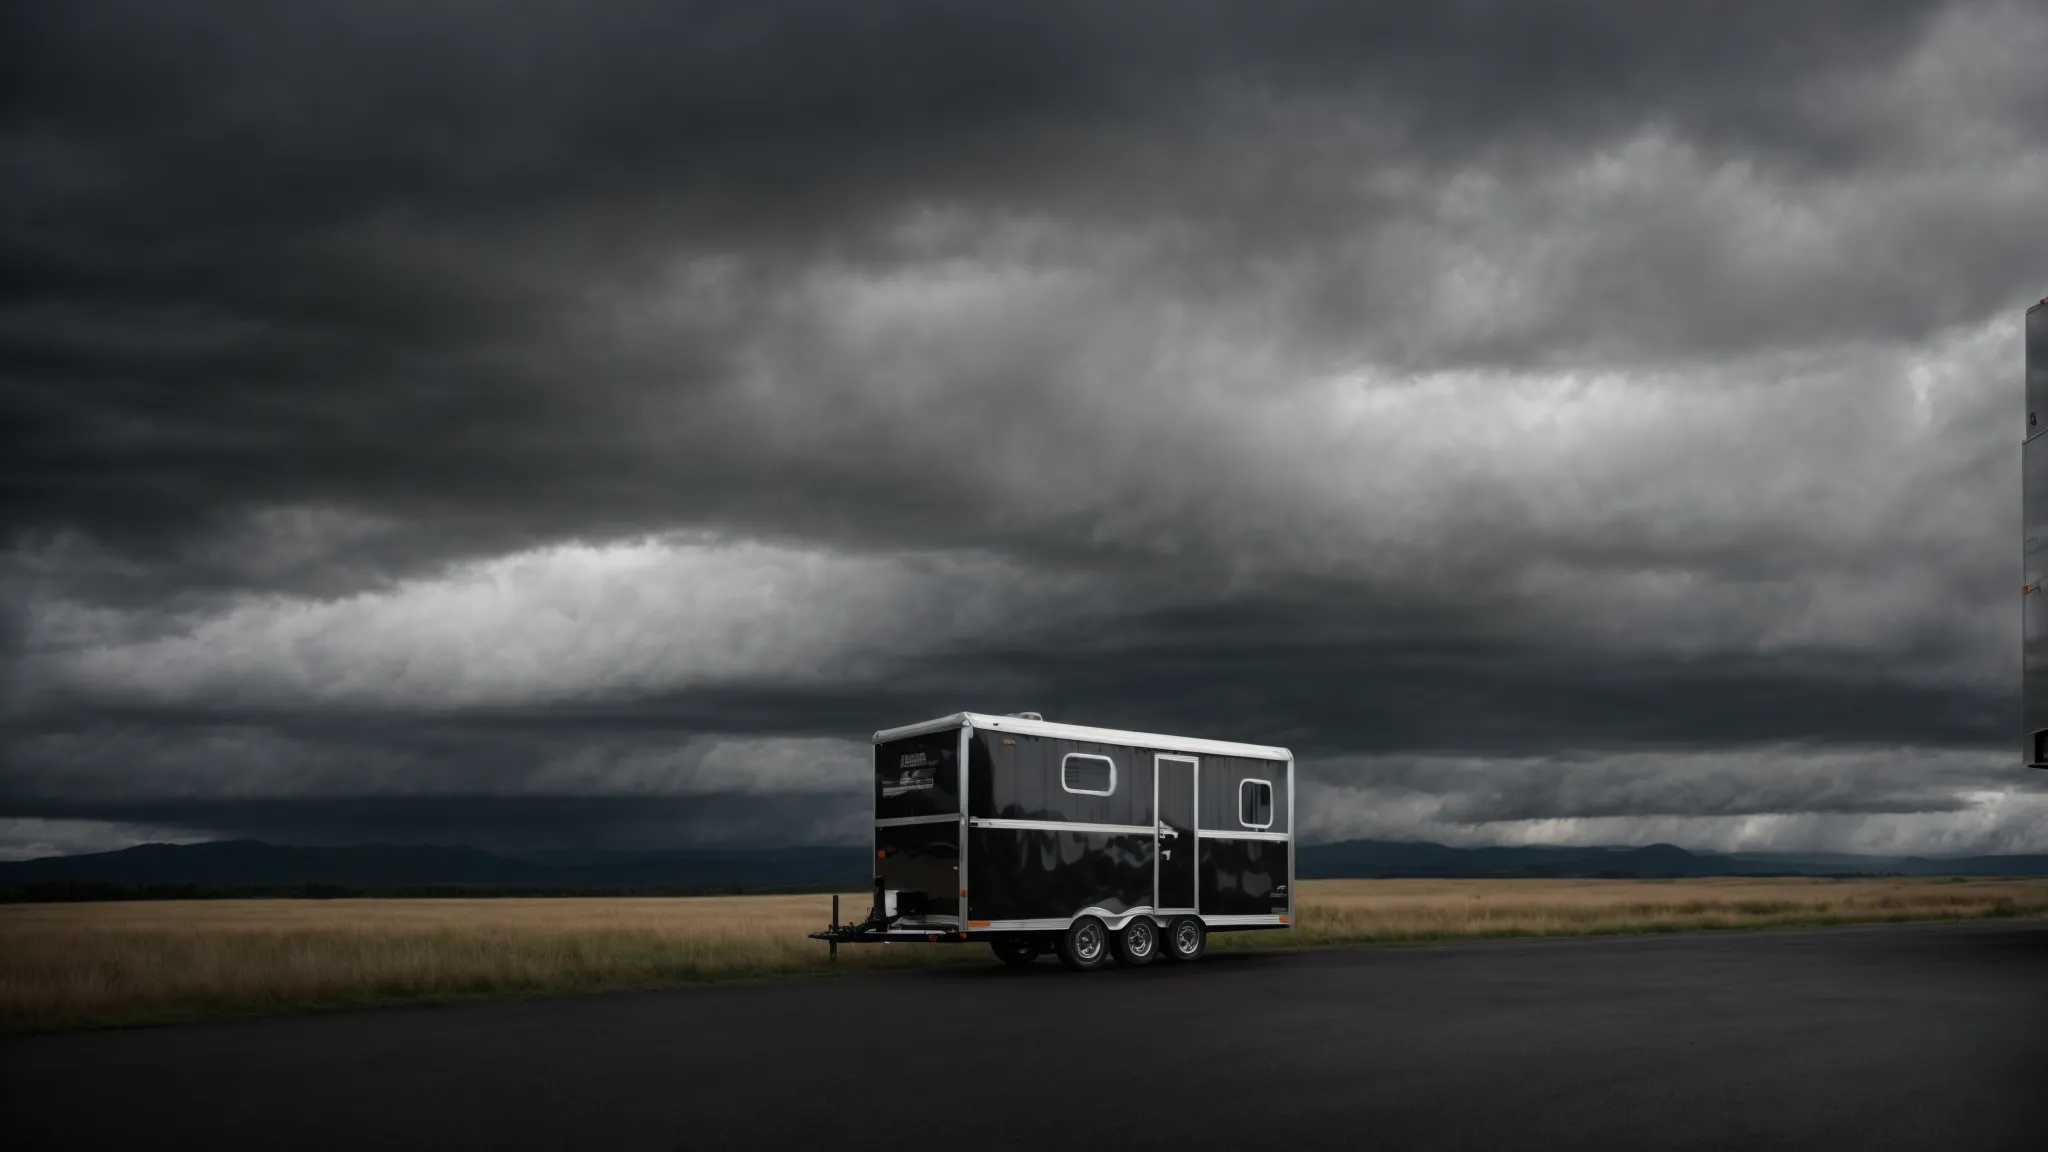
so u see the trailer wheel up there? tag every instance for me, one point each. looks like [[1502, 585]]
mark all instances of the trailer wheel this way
[[1186, 939], [1138, 944], [1084, 946], [1016, 953]]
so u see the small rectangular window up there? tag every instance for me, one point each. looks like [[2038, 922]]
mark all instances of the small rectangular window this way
[[1255, 804], [1087, 774]]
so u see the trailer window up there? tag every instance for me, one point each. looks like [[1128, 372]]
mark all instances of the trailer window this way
[[1087, 774], [1255, 804]]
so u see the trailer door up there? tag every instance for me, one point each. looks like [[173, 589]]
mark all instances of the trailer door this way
[[1174, 857]]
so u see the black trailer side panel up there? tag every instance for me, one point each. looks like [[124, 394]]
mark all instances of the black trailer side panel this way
[[918, 776], [922, 862], [1223, 784], [1037, 874], [1016, 777], [1244, 877]]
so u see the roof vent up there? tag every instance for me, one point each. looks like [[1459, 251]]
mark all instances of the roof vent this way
[[1027, 716]]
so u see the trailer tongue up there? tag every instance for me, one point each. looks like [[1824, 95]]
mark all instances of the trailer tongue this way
[[878, 927]]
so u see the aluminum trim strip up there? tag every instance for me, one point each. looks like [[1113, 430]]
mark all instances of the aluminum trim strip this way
[[1226, 834], [1292, 855], [960, 789], [1112, 920], [1062, 826], [900, 821], [1155, 741], [956, 720], [1149, 740], [1244, 921], [1197, 909]]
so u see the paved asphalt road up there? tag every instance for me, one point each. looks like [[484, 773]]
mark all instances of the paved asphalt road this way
[[1925, 1036]]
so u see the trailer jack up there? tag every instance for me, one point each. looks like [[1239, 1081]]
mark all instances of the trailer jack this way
[[879, 919]]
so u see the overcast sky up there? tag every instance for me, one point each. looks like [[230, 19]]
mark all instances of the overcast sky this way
[[549, 426]]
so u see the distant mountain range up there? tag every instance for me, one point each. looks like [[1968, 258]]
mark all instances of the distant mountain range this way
[[251, 864], [222, 867], [1386, 858]]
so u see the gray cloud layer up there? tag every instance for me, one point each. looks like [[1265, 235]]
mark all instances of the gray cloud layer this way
[[1604, 406]]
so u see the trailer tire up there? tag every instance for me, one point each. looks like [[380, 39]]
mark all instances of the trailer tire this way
[[1186, 939], [1138, 943], [1084, 946], [1015, 953]]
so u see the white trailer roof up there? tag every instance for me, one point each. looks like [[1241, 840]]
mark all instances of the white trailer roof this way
[[1082, 732]]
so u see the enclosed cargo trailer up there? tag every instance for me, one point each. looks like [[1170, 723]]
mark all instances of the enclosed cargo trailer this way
[[1092, 844]]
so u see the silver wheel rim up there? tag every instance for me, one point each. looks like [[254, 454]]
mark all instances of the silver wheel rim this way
[[1187, 938], [1139, 938], [1088, 941]]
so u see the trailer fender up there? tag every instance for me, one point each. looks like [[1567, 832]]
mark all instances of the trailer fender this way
[[1116, 920]]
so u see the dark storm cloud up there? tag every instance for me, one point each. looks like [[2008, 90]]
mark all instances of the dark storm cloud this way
[[591, 779], [1484, 379], [401, 215]]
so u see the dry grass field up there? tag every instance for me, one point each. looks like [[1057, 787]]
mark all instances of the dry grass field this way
[[1403, 911], [69, 965]]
